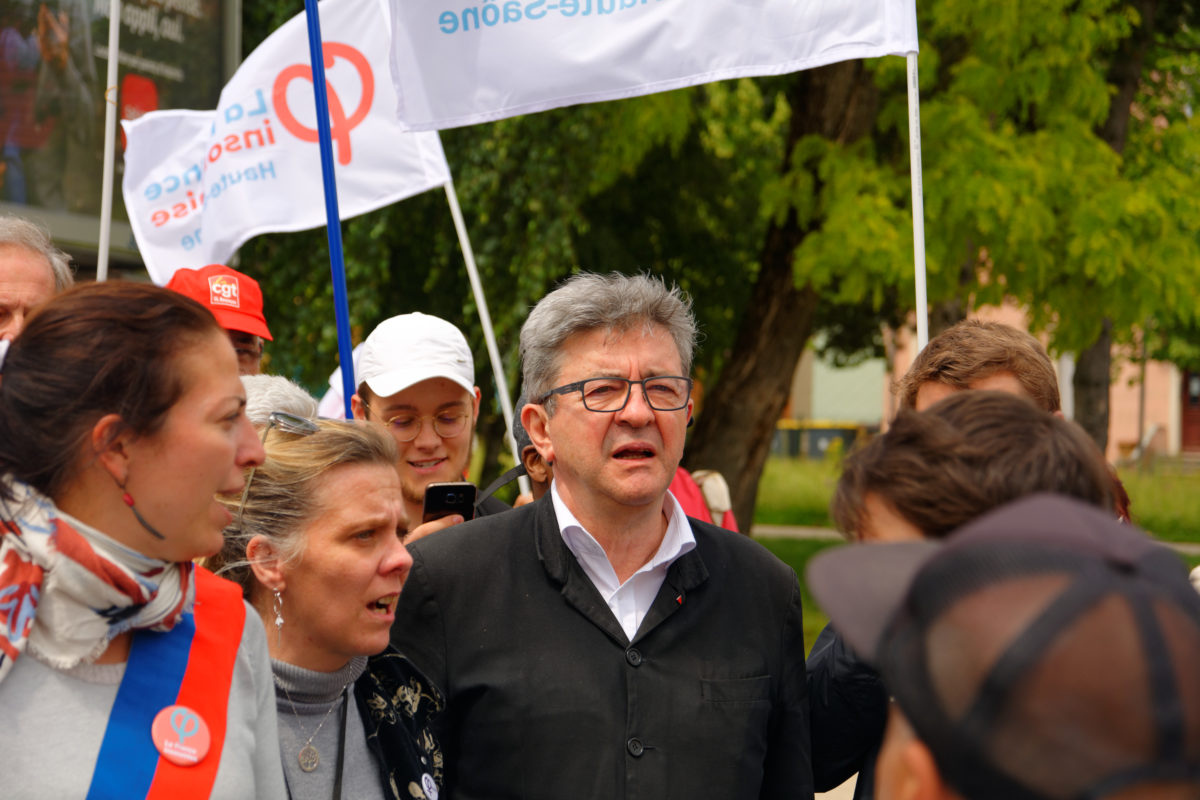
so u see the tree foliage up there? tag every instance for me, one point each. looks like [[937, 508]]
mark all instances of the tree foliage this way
[[782, 205]]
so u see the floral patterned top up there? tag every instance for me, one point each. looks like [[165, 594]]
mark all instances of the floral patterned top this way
[[397, 703]]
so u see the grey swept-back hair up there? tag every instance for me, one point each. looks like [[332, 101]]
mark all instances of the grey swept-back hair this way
[[18, 232], [613, 302], [267, 393]]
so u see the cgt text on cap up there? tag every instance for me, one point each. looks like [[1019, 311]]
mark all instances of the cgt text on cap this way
[[233, 298], [1044, 651], [410, 348]]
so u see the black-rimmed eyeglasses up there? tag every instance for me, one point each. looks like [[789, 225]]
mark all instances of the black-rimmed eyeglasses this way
[[288, 423], [609, 395]]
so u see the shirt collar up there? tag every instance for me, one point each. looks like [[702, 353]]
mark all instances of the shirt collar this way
[[677, 540]]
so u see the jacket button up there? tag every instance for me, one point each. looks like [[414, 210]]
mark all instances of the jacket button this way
[[634, 657], [635, 748]]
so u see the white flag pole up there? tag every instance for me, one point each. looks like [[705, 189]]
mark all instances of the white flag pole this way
[[918, 203], [486, 318], [110, 137]]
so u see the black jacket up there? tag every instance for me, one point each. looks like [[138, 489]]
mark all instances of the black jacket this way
[[547, 698], [848, 712]]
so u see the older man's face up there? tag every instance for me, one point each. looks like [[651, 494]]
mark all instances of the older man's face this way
[[26, 282], [625, 458]]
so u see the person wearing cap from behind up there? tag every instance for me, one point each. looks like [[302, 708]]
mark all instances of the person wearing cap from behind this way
[[930, 474], [417, 377], [236, 301], [1043, 652]]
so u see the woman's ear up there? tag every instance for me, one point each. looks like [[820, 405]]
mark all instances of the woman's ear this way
[[110, 440], [266, 563]]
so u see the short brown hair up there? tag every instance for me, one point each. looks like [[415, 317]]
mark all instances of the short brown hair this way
[[966, 455], [975, 349]]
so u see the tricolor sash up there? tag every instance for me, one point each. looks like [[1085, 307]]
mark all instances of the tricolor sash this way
[[192, 666]]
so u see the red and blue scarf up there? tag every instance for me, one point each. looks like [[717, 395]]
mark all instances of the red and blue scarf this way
[[66, 590]]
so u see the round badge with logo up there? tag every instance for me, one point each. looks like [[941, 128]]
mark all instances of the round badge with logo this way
[[429, 785], [181, 735]]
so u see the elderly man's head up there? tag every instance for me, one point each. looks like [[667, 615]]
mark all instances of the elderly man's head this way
[[32, 270], [606, 361]]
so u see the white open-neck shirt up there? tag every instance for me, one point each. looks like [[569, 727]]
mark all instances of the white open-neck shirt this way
[[631, 600]]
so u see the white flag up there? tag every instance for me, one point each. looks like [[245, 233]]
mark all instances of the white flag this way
[[460, 62], [200, 183]]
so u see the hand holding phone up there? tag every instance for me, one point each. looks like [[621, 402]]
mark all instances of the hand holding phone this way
[[443, 499]]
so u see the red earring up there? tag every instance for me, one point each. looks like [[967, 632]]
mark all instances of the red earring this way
[[128, 498]]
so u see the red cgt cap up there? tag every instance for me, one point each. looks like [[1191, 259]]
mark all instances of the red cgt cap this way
[[233, 298]]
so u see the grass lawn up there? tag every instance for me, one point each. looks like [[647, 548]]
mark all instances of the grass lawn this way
[[796, 491]]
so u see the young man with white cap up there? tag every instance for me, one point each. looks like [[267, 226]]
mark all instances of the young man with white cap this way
[[417, 377]]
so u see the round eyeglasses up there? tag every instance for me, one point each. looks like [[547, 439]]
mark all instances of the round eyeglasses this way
[[609, 395], [406, 427]]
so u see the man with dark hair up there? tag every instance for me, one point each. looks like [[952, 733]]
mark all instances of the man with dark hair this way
[[1044, 651], [932, 472], [32, 270], [597, 643], [975, 354]]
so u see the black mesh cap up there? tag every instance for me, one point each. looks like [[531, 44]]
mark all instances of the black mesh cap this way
[[1042, 651]]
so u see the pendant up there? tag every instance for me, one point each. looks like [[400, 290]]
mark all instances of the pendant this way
[[309, 758]]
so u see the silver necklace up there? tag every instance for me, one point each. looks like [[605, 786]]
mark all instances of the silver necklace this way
[[309, 757]]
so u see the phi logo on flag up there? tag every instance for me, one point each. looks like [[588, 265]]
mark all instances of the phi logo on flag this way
[[223, 291]]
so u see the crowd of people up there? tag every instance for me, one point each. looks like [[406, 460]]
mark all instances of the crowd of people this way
[[207, 589]]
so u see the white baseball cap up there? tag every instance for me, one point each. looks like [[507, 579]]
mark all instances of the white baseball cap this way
[[411, 348]]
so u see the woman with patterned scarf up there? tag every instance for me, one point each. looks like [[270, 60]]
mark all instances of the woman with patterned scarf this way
[[314, 545], [125, 671]]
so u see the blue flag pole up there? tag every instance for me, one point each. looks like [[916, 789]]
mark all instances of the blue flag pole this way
[[333, 220]]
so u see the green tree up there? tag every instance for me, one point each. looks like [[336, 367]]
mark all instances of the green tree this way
[[782, 206]]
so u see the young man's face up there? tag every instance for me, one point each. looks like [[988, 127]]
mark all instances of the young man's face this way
[[427, 407], [930, 392], [880, 522]]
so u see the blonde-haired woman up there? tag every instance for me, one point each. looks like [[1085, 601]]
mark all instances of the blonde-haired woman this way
[[315, 545]]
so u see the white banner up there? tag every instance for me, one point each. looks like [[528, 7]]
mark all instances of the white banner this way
[[461, 62], [200, 183]]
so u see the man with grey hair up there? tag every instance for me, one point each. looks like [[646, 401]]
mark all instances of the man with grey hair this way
[[32, 270], [598, 642], [268, 393]]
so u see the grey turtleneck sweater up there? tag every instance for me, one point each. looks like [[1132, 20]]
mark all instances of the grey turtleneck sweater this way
[[315, 706]]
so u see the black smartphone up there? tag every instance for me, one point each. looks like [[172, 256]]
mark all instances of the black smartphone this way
[[444, 499]]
